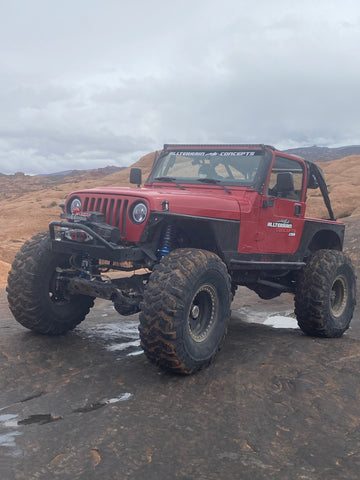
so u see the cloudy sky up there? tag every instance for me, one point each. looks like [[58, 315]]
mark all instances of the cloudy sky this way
[[90, 83]]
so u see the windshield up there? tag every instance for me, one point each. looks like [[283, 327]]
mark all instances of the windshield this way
[[229, 167]]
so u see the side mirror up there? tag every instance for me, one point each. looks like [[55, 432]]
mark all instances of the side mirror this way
[[135, 176]]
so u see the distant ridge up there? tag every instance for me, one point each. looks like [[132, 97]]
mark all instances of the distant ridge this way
[[314, 153], [101, 171], [105, 171], [19, 183], [324, 154]]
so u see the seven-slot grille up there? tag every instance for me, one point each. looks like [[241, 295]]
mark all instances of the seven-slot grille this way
[[115, 209]]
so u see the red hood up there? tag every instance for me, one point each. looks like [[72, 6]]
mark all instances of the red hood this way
[[202, 201]]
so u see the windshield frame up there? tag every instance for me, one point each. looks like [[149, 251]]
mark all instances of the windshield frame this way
[[225, 156]]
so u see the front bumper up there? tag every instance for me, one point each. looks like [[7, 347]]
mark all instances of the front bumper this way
[[98, 247]]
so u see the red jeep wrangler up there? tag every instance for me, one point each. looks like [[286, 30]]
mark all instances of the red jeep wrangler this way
[[209, 218]]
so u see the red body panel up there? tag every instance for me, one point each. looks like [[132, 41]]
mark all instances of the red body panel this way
[[269, 230], [262, 229], [279, 229], [202, 201], [267, 224]]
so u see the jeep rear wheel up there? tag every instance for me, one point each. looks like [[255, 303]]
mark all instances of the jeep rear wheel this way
[[185, 310], [33, 295], [325, 294]]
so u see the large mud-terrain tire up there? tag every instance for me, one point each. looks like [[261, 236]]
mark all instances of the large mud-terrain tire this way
[[326, 294], [32, 295], [185, 310]]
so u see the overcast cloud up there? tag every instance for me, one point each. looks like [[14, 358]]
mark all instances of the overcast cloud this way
[[90, 83]]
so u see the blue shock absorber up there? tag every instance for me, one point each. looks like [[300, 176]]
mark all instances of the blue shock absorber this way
[[166, 240]]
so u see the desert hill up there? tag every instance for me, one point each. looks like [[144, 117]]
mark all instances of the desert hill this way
[[324, 154], [342, 177], [19, 183], [28, 204]]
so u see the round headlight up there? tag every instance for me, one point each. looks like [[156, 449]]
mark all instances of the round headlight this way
[[139, 213], [75, 205]]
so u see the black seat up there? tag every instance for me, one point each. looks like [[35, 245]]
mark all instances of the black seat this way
[[284, 187]]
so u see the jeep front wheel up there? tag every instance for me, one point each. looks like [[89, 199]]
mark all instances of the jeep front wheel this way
[[185, 310], [325, 294], [33, 294]]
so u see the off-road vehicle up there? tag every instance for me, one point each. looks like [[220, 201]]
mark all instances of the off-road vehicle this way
[[209, 218]]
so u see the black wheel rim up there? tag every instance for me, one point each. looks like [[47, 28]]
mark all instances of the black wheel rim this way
[[338, 296], [202, 313]]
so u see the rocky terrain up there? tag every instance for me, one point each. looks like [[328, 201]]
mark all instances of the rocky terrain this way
[[29, 203]]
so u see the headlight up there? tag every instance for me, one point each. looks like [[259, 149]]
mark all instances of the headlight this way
[[138, 213], [75, 205]]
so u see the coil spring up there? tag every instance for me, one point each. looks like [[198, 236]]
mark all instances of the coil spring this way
[[166, 241]]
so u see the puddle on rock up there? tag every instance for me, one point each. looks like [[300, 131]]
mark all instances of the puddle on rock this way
[[8, 424], [95, 406], [275, 320], [281, 321], [40, 419], [119, 336]]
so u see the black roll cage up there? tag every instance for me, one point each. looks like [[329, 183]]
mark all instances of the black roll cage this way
[[316, 179]]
